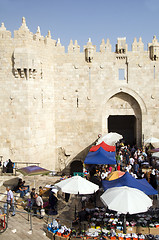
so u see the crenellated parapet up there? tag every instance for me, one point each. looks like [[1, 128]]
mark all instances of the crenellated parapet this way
[[23, 38], [4, 34], [23, 33], [37, 36], [73, 48], [59, 47], [137, 46], [49, 41], [105, 47]]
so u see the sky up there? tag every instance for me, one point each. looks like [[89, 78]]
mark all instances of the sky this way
[[83, 19]]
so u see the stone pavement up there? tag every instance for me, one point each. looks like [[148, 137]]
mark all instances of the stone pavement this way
[[19, 226]]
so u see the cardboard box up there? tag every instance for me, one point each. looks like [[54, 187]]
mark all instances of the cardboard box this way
[[57, 237], [50, 235], [143, 230], [131, 229], [119, 231], [154, 231], [65, 238], [78, 238]]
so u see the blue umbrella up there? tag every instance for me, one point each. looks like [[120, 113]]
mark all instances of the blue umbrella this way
[[128, 180]]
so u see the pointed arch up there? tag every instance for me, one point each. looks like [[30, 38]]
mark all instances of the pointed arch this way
[[132, 93], [138, 109]]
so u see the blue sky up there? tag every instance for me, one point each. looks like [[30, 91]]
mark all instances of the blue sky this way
[[81, 19]]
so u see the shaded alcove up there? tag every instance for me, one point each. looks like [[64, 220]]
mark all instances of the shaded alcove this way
[[124, 125], [123, 114], [76, 166]]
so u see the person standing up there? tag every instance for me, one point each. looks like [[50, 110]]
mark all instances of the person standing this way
[[83, 219], [127, 157], [118, 158], [5, 166], [153, 181], [136, 167], [53, 203], [33, 198], [39, 204], [10, 166], [10, 200]]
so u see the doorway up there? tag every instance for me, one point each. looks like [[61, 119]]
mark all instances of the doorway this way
[[76, 166], [124, 125]]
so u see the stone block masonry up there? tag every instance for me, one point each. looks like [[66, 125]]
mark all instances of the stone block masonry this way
[[54, 104]]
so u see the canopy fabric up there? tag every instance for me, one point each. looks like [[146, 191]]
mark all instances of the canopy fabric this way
[[33, 170], [110, 138], [152, 140], [105, 146], [130, 181], [126, 200], [77, 185], [145, 183], [155, 154], [100, 157], [11, 182], [115, 175], [154, 150]]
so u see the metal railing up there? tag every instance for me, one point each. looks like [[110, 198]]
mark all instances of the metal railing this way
[[26, 163], [30, 214], [16, 167]]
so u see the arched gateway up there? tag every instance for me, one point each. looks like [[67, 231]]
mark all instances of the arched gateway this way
[[123, 113]]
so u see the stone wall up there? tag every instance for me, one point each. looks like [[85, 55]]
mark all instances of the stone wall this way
[[54, 104]]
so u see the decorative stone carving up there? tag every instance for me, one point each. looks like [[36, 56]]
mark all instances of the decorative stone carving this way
[[62, 157]]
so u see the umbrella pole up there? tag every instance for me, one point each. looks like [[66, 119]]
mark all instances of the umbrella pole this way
[[124, 224], [34, 181], [76, 206], [75, 212]]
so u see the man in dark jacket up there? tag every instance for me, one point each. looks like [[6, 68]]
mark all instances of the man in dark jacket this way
[[53, 203]]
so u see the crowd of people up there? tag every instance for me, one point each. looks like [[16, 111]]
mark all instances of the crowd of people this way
[[35, 200], [136, 161], [7, 166]]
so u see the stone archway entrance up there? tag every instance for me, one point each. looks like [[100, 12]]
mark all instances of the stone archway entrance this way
[[124, 125], [76, 166], [124, 116]]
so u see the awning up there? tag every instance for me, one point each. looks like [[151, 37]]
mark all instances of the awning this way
[[100, 157]]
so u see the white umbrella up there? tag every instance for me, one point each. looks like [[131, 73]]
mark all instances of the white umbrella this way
[[126, 200], [77, 185], [152, 140], [110, 138], [156, 154]]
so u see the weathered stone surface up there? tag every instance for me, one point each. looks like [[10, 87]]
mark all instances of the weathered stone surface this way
[[51, 100]]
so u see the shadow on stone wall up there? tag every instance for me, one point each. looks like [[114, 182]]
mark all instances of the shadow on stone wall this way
[[76, 164]]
